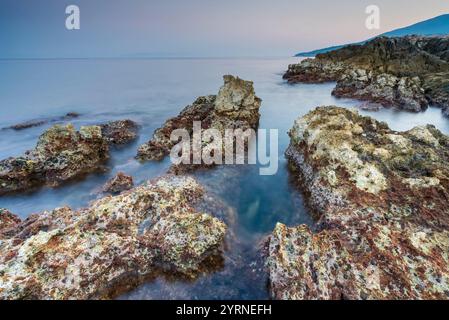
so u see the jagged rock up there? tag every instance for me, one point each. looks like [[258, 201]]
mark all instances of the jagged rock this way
[[40, 122], [235, 107], [380, 197], [407, 72], [120, 132], [113, 245], [119, 183]]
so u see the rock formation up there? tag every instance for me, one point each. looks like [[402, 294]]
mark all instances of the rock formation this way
[[39, 122], [410, 72], [380, 197], [109, 247], [61, 154], [235, 107]]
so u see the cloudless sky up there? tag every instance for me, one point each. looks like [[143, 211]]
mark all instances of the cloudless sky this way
[[196, 28]]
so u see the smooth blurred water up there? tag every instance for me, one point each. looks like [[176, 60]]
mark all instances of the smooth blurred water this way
[[149, 91]]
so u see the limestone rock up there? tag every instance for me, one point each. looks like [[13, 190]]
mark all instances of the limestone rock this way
[[113, 245], [380, 197]]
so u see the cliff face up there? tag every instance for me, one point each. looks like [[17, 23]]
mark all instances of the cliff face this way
[[407, 72], [381, 199]]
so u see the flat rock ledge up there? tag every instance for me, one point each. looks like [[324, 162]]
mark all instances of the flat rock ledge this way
[[409, 73], [63, 153], [380, 197], [235, 107], [112, 246]]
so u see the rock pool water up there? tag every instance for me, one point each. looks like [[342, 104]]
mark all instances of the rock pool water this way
[[150, 91]]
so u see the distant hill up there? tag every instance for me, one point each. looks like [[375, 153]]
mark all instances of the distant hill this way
[[435, 26]]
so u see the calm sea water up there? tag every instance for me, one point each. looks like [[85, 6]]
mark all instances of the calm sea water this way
[[150, 91]]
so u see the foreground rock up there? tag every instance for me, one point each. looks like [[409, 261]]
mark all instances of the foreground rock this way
[[380, 197], [113, 245], [121, 182], [235, 107], [61, 154], [410, 73]]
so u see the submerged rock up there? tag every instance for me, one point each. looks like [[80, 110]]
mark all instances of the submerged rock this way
[[42, 121], [61, 154], [410, 72], [380, 197], [235, 107], [121, 182], [113, 245]]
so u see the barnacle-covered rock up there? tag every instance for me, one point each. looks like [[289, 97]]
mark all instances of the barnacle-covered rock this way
[[380, 197], [117, 242]]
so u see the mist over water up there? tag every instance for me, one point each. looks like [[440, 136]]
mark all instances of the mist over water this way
[[149, 91]]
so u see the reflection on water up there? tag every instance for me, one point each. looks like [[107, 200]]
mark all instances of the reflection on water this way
[[149, 92]]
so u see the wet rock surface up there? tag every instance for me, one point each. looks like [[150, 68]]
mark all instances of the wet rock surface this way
[[380, 198], [63, 153], [112, 246], [410, 72], [235, 107], [121, 182]]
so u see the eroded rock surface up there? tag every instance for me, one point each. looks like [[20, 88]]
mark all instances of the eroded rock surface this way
[[119, 183], [407, 72], [115, 243], [380, 197], [235, 107]]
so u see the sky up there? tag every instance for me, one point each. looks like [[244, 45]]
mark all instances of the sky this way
[[196, 28]]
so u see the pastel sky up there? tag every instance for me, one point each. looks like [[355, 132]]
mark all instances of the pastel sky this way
[[196, 28]]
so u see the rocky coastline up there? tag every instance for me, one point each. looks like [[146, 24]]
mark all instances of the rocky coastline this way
[[410, 73]]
